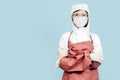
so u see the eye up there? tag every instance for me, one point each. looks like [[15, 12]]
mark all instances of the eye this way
[[84, 15], [76, 14]]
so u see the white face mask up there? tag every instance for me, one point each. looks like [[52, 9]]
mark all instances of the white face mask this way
[[81, 21]]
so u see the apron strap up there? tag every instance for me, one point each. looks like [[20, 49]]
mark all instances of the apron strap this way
[[69, 35], [91, 38], [69, 38], [91, 41]]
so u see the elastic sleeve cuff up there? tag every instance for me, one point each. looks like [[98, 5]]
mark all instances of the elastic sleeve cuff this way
[[96, 57]]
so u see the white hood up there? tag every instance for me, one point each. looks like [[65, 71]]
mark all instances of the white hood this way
[[79, 6], [81, 34]]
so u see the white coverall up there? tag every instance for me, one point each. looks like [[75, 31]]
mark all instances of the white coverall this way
[[80, 35]]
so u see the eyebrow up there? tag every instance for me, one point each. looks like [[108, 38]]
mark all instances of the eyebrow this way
[[80, 10], [76, 11]]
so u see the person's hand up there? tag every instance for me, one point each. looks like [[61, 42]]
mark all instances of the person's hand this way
[[94, 65], [71, 55]]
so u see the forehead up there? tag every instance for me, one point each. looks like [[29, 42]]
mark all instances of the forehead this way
[[81, 11]]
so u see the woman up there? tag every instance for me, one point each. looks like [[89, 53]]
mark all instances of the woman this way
[[80, 51]]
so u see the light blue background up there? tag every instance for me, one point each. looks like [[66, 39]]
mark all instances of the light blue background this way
[[30, 31]]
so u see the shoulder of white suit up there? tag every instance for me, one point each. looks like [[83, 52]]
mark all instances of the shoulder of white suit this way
[[94, 35], [65, 34]]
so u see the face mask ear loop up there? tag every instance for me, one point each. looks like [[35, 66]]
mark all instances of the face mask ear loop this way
[[87, 22], [74, 23]]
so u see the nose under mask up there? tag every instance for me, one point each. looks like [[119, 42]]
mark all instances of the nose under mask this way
[[80, 22]]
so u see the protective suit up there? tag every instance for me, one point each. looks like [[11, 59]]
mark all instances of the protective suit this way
[[80, 51]]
